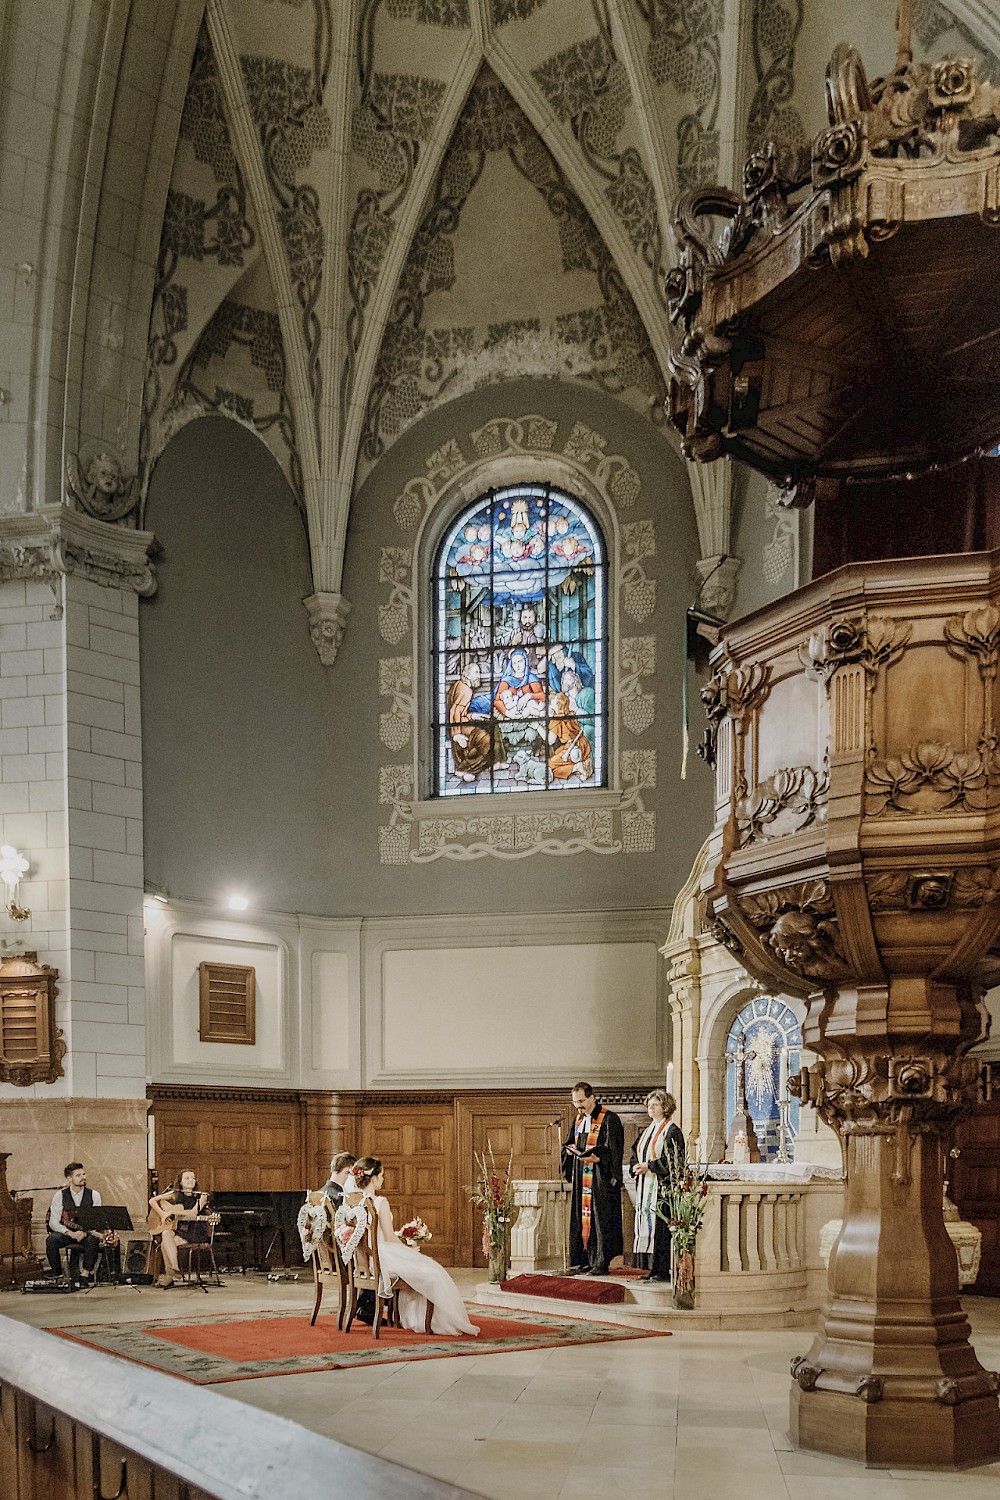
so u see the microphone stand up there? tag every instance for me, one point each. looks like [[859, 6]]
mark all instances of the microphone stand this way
[[564, 1236]]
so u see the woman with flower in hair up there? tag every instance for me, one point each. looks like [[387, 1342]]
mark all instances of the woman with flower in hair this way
[[421, 1280]]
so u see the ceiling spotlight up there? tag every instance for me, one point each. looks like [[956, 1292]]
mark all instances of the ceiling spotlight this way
[[238, 903]]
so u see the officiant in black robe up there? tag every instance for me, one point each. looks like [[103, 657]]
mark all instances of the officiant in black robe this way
[[592, 1161]]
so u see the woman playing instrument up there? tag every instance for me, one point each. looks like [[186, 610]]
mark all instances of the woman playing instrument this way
[[421, 1280], [180, 1208]]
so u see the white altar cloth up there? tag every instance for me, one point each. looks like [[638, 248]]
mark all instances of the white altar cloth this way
[[773, 1171]]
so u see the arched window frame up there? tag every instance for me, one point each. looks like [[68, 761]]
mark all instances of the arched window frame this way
[[574, 480]]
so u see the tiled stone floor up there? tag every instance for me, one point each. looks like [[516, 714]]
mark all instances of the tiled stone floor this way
[[699, 1416]]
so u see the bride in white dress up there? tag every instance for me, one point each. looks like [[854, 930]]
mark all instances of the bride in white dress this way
[[421, 1280]]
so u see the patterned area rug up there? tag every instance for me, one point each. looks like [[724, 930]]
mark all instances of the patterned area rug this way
[[210, 1350]]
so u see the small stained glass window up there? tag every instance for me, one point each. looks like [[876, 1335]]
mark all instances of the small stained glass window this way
[[520, 646]]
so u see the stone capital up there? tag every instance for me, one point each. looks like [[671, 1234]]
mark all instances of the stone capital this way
[[44, 545], [327, 623], [718, 583]]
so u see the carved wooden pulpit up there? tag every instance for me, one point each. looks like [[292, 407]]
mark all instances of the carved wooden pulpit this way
[[846, 324]]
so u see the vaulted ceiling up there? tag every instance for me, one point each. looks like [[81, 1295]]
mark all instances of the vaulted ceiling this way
[[376, 205]]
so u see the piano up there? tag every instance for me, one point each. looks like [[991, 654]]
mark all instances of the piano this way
[[260, 1226]]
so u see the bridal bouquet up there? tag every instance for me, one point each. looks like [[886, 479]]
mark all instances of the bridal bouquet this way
[[494, 1194], [415, 1232]]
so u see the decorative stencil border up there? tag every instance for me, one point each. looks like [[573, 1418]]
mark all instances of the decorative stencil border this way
[[629, 828]]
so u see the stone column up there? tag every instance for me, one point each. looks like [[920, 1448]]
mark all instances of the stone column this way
[[71, 802], [685, 1011]]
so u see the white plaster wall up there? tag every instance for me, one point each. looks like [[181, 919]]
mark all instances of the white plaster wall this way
[[450, 1001], [268, 1051], [308, 996], [589, 1007], [466, 1001]]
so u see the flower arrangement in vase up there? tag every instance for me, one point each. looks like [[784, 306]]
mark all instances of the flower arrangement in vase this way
[[681, 1205], [494, 1194], [415, 1233]]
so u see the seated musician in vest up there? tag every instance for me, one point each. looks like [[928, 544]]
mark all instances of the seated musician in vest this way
[[180, 1208], [64, 1231]]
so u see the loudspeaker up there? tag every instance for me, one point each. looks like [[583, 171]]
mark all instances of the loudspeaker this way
[[139, 1260]]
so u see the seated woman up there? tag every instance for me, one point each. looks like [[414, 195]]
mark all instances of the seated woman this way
[[421, 1279], [179, 1208]]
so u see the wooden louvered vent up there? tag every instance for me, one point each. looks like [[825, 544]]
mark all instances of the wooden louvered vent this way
[[228, 995], [31, 1045]]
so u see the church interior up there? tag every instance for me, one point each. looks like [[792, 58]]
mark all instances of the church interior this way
[[604, 392]]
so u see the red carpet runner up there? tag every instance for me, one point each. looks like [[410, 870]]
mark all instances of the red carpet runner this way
[[567, 1288]]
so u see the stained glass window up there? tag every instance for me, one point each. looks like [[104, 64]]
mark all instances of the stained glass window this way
[[520, 645]]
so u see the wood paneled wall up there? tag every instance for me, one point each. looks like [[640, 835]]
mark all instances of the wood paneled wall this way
[[261, 1140]]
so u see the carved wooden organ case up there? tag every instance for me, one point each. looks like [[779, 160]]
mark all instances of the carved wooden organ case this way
[[31, 1045]]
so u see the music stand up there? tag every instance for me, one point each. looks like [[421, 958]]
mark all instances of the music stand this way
[[100, 1219]]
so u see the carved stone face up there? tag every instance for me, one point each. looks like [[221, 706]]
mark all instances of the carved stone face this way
[[104, 473], [797, 940]]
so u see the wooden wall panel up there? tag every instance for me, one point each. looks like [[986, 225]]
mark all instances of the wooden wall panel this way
[[262, 1140]]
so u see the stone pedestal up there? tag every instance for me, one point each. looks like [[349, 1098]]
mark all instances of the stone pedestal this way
[[540, 1233], [894, 1333]]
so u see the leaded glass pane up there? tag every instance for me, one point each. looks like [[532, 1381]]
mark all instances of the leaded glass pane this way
[[520, 646]]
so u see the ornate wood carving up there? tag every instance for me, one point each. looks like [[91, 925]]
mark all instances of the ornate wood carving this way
[[771, 362], [31, 1045], [874, 891]]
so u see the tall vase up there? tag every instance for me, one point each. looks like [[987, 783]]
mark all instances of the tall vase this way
[[499, 1260], [683, 1279]]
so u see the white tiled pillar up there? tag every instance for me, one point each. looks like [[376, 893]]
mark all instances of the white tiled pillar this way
[[104, 804], [71, 784]]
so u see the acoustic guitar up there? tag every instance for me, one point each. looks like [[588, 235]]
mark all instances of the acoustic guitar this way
[[166, 1217]]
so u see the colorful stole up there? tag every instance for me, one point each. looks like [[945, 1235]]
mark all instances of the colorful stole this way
[[588, 1175]]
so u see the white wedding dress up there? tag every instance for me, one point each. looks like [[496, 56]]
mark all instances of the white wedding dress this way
[[421, 1280]]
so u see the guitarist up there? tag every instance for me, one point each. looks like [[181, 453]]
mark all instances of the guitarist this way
[[64, 1230], [176, 1215]]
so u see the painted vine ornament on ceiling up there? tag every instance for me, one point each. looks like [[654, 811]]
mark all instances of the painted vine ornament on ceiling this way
[[286, 102], [629, 827], [194, 230], [417, 366], [684, 52], [775, 28], [587, 86], [390, 129], [256, 331]]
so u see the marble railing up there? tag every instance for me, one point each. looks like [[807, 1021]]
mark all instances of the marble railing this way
[[759, 1245]]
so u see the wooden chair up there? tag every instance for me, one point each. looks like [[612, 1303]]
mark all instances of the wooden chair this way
[[324, 1258], [362, 1273]]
